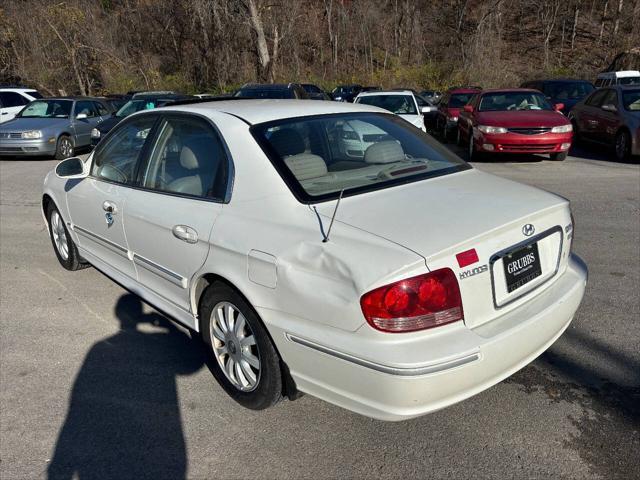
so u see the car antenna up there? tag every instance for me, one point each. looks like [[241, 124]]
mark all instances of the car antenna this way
[[335, 210]]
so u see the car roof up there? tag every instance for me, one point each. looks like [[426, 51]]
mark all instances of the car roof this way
[[374, 93], [17, 89], [453, 91], [266, 110], [72, 98], [619, 74], [509, 90], [267, 86]]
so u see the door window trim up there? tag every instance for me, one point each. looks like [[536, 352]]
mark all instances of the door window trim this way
[[165, 116]]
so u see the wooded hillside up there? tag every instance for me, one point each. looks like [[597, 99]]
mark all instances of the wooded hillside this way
[[100, 46]]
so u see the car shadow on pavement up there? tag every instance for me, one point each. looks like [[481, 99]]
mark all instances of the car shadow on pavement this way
[[124, 417], [595, 151]]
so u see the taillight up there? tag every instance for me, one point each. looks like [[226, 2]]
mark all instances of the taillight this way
[[416, 303]]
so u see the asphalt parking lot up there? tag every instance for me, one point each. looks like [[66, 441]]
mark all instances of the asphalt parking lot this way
[[95, 384]]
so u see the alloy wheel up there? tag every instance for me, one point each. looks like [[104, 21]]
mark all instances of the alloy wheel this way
[[66, 147], [59, 235], [234, 346]]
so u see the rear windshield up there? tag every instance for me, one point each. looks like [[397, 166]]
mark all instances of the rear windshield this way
[[501, 101], [568, 90], [629, 81], [631, 100], [266, 93], [459, 100], [398, 104], [321, 156]]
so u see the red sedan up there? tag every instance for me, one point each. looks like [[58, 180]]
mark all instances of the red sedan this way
[[514, 121]]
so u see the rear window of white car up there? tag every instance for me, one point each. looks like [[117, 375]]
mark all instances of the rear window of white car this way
[[398, 104], [321, 156]]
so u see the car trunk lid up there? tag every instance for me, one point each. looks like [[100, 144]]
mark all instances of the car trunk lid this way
[[442, 217]]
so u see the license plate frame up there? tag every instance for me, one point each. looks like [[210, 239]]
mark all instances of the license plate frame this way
[[521, 266]]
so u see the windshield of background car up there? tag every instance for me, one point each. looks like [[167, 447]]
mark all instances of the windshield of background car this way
[[47, 109], [502, 101], [631, 100], [629, 81], [268, 93], [320, 156], [459, 100], [133, 106], [568, 90], [398, 104]]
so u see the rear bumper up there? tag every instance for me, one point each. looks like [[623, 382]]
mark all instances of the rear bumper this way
[[17, 148], [397, 377], [517, 143]]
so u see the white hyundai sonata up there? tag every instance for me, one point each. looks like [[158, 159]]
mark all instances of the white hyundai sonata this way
[[392, 285]]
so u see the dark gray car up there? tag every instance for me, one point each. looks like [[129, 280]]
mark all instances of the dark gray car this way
[[52, 127], [610, 116]]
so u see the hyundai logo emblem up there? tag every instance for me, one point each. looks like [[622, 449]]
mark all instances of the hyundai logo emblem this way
[[528, 230]]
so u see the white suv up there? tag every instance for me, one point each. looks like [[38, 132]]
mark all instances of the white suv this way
[[12, 100]]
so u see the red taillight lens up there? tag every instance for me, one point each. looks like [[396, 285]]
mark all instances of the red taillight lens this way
[[417, 303]]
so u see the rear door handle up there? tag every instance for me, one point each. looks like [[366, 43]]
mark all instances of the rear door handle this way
[[185, 233]]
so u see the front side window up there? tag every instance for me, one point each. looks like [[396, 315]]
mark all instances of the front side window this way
[[503, 101], [188, 158], [595, 100], [610, 98], [631, 100], [47, 109], [321, 156], [116, 159], [398, 104], [102, 110]]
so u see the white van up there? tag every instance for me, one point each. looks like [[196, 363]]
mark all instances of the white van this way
[[625, 77]]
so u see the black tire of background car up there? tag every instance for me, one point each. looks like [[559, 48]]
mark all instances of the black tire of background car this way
[[459, 137], [622, 154], [270, 384], [577, 138], [558, 157], [59, 154], [74, 261], [474, 155]]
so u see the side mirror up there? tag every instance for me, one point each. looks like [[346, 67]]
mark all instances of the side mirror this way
[[558, 107], [468, 108], [70, 168], [81, 116], [428, 109], [608, 107]]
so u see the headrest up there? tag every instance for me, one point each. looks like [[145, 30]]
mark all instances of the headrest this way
[[384, 152], [287, 142], [188, 159], [306, 166]]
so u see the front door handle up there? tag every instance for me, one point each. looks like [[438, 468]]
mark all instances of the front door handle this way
[[185, 233]]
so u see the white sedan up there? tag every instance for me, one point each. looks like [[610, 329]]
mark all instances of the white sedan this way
[[392, 285]]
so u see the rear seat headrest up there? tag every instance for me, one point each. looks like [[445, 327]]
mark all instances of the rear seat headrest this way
[[287, 141], [306, 166], [384, 152]]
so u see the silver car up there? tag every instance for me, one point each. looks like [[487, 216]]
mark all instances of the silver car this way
[[610, 116], [52, 127]]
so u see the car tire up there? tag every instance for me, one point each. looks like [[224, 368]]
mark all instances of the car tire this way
[[64, 147], [622, 146], [577, 138], [472, 153], [63, 245], [459, 140], [558, 157], [244, 359]]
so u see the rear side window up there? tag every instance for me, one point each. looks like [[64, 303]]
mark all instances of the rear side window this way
[[12, 99], [188, 158], [102, 110], [610, 98], [87, 108], [34, 94], [595, 100], [116, 159], [459, 100]]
